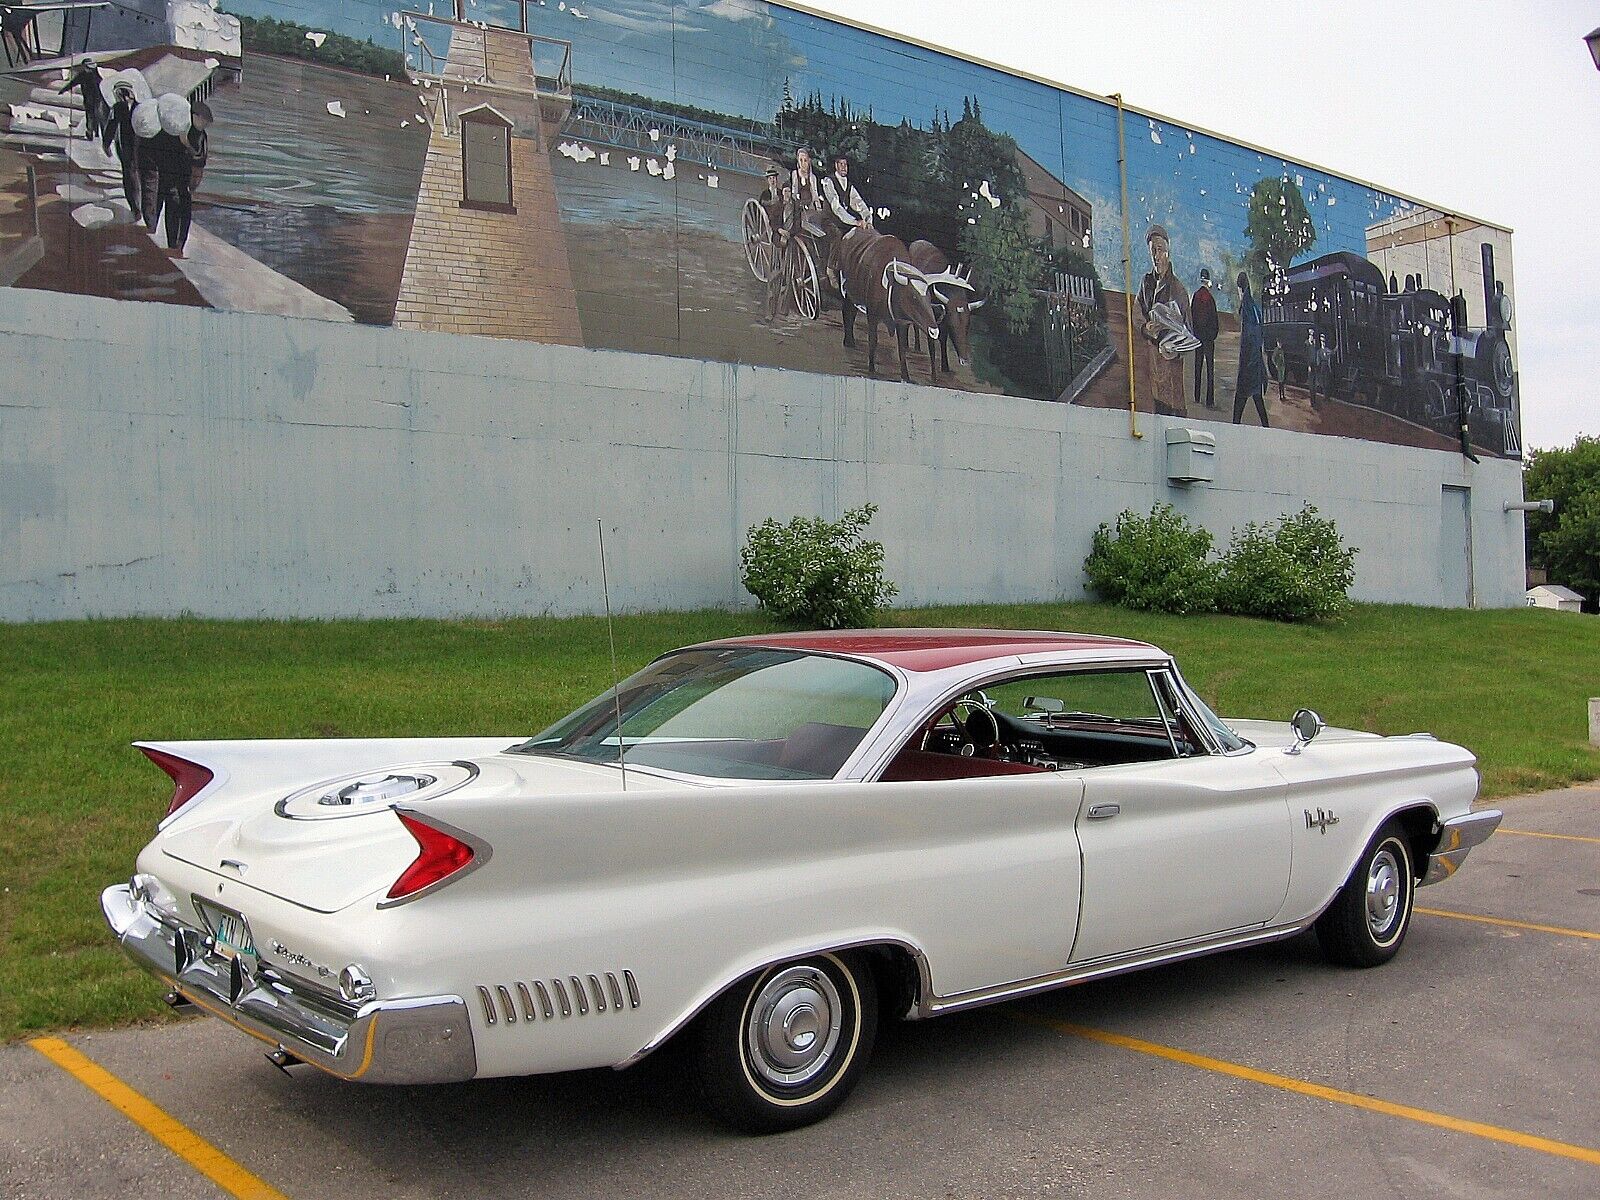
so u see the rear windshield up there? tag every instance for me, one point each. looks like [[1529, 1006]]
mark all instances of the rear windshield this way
[[732, 713]]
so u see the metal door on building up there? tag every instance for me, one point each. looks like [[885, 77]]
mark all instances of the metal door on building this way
[[1455, 547]]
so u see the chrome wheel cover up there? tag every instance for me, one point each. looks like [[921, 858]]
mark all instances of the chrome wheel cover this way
[[1385, 892], [793, 1027]]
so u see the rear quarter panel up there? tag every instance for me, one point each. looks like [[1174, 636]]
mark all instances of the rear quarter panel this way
[[691, 890]]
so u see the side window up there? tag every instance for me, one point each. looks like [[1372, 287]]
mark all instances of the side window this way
[[1093, 718], [1108, 697], [1068, 721]]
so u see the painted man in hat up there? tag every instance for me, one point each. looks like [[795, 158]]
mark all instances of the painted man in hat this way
[[774, 201], [846, 212], [86, 79], [1203, 310], [1162, 367]]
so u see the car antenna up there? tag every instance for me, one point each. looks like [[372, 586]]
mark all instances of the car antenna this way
[[611, 635]]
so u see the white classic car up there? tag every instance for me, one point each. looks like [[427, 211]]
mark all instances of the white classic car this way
[[759, 843]]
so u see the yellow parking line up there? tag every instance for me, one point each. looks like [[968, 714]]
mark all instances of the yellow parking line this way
[[1560, 837], [1494, 1133], [166, 1129], [1461, 916]]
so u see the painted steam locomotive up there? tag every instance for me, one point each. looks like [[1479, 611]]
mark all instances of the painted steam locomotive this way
[[1350, 334]]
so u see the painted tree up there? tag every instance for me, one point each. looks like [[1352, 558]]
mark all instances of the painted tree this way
[[1007, 262], [828, 129], [1279, 228]]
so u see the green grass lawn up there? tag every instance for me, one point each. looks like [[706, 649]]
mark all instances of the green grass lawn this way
[[78, 803]]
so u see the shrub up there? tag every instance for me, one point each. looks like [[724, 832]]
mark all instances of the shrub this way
[[815, 572], [1157, 562], [1296, 568]]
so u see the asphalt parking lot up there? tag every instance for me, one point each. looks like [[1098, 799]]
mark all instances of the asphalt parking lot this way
[[1468, 1067]]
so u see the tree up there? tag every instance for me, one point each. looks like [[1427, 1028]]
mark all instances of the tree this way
[[1279, 228], [1566, 544]]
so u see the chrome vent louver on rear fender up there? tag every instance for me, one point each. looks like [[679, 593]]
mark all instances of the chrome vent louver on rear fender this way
[[557, 998]]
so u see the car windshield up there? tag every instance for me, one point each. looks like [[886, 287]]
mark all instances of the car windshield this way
[[729, 713], [1227, 739]]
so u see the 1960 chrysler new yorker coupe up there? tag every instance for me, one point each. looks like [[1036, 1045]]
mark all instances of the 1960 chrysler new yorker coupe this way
[[756, 845]]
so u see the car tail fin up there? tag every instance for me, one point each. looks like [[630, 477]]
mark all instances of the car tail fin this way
[[444, 855], [189, 778]]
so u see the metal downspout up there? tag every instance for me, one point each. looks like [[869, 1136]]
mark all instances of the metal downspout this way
[[1127, 267]]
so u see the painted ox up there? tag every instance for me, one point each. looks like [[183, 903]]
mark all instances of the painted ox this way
[[953, 305], [881, 282]]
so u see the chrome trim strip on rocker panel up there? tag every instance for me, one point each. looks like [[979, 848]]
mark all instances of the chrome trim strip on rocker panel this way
[[1101, 968]]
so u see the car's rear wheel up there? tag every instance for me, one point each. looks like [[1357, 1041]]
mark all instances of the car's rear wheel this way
[[1367, 921], [784, 1047]]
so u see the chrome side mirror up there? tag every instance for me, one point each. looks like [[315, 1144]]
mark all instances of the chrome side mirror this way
[[1306, 724]]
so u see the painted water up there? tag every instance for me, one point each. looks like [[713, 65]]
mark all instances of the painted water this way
[[596, 193], [325, 200], [274, 140]]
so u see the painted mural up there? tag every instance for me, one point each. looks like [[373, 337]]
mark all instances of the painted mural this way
[[735, 181]]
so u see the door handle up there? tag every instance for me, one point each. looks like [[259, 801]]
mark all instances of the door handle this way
[[1103, 812]]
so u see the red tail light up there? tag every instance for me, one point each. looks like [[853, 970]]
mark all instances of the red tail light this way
[[440, 855], [189, 778]]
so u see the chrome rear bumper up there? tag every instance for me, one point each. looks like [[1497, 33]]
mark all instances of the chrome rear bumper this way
[[1460, 834], [420, 1040]]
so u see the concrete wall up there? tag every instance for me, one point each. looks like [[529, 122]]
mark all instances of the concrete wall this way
[[156, 459]]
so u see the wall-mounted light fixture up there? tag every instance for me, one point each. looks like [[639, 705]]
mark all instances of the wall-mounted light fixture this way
[[1544, 506]]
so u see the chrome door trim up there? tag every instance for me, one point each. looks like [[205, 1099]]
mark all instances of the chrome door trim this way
[[1114, 965]]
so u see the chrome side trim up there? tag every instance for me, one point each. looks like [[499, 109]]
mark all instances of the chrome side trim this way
[[598, 993], [1102, 968], [489, 1017], [526, 997], [1457, 836], [616, 992], [577, 994], [633, 989], [505, 1004], [561, 995], [544, 1000]]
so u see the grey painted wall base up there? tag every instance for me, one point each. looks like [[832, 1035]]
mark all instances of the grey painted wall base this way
[[156, 459]]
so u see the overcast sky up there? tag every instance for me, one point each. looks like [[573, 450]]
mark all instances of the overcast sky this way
[[1491, 110]]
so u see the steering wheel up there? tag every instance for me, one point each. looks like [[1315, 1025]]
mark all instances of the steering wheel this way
[[980, 732]]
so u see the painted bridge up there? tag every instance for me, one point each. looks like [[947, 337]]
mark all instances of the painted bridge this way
[[647, 131]]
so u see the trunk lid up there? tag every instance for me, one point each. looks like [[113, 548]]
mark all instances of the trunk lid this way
[[311, 822]]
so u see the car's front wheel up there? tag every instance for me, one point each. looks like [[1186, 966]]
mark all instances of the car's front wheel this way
[[1368, 919], [784, 1047]]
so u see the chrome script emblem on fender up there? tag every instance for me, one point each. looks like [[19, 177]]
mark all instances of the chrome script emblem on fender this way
[[1321, 821], [300, 960]]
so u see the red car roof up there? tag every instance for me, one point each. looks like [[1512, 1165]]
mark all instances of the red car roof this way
[[936, 649]]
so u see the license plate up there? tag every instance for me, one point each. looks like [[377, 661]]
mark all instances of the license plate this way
[[230, 929]]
